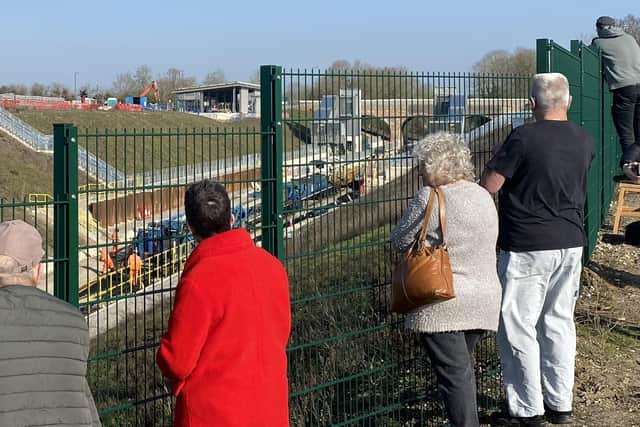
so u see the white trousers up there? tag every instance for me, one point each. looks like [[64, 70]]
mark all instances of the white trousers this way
[[536, 335]]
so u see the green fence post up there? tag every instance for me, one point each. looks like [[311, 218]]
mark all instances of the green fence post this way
[[65, 212], [576, 49], [271, 158], [591, 201], [543, 55]]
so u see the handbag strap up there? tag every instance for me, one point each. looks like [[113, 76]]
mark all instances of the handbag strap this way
[[434, 191], [443, 215]]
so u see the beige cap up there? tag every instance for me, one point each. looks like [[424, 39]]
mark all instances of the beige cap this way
[[23, 243]]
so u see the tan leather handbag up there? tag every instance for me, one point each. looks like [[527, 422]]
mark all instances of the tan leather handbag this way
[[423, 276]]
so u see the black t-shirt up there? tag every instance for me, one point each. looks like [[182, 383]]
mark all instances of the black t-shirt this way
[[541, 203]]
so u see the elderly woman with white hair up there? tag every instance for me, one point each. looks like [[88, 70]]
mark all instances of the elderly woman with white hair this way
[[449, 330]]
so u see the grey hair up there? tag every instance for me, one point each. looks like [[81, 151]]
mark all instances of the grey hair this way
[[445, 156], [550, 91]]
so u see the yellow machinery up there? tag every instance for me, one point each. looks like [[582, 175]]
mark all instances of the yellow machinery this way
[[343, 174]]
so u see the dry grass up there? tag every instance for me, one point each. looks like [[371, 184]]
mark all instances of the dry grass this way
[[22, 170], [139, 142], [101, 120]]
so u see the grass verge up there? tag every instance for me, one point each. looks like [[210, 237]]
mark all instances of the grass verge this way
[[139, 142]]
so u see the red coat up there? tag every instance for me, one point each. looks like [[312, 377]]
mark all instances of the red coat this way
[[228, 331]]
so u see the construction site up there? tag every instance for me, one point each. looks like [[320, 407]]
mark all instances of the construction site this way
[[335, 160]]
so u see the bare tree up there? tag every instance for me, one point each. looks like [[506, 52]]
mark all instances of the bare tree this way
[[587, 38], [521, 61], [124, 85], [500, 67], [142, 77], [59, 90], [214, 77], [254, 77], [173, 79], [377, 82], [631, 24], [16, 89], [38, 89]]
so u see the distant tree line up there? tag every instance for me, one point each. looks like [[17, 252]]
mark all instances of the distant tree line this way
[[504, 74], [385, 82], [38, 89], [125, 84]]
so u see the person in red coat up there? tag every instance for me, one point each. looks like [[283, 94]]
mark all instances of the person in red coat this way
[[224, 350]]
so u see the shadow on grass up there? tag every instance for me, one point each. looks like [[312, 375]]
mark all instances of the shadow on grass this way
[[618, 278]]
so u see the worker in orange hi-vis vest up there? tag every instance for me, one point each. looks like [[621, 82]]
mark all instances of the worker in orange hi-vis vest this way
[[114, 242], [135, 265], [107, 262]]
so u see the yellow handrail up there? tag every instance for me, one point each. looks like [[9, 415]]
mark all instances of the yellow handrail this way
[[87, 222], [118, 282], [40, 197]]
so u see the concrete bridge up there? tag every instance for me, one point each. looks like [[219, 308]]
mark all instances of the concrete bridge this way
[[395, 112]]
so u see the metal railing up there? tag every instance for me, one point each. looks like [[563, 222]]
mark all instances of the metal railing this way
[[28, 135], [25, 133], [39, 197], [106, 287]]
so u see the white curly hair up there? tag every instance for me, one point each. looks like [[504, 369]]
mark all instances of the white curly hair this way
[[445, 156]]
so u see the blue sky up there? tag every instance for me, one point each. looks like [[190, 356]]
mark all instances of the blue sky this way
[[48, 41]]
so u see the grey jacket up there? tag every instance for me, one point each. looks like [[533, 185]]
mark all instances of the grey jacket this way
[[620, 57], [44, 344], [472, 232]]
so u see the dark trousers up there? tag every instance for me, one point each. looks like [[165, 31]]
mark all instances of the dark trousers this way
[[451, 355], [626, 117]]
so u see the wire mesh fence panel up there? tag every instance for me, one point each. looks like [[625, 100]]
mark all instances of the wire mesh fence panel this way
[[36, 210], [350, 361], [134, 242]]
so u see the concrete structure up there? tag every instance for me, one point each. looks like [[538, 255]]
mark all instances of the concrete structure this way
[[396, 111], [233, 97], [338, 121]]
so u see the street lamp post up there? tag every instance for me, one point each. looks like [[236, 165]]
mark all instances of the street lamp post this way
[[75, 84]]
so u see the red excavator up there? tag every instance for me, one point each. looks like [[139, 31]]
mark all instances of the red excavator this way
[[153, 85], [136, 103]]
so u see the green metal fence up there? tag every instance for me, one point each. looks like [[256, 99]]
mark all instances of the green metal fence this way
[[591, 109], [350, 361], [320, 185], [39, 213], [127, 312]]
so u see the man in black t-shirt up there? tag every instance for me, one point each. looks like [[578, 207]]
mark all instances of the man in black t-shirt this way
[[541, 173]]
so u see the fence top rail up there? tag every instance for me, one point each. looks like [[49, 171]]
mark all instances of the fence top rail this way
[[161, 132], [10, 204], [400, 73], [593, 51], [557, 47]]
